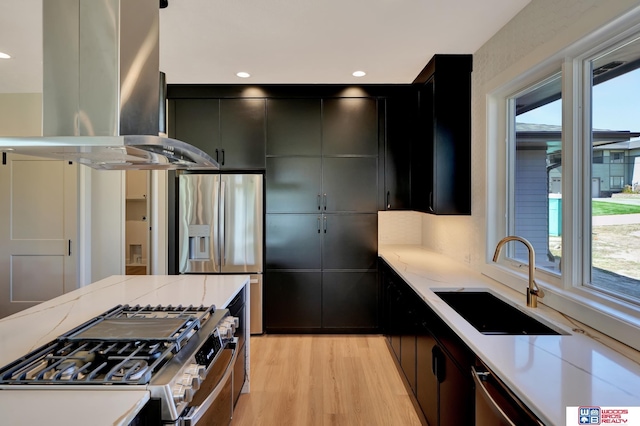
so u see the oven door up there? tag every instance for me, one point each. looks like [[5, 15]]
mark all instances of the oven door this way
[[213, 403]]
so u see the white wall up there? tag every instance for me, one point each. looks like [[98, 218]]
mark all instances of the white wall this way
[[102, 223], [539, 30], [101, 208], [20, 114]]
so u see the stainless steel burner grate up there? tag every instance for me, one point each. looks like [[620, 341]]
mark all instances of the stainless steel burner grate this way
[[125, 345]]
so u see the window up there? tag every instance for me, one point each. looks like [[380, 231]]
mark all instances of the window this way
[[536, 192], [563, 169], [616, 157], [616, 182], [598, 156], [613, 262]]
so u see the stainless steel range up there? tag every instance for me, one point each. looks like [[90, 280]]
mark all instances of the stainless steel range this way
[[183, 355]]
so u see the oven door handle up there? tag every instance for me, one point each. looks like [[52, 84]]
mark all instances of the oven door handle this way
[[195, 413]]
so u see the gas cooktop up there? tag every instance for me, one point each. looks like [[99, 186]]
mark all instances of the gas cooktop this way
[[125, 345]]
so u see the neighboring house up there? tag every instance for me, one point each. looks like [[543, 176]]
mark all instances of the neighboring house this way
[[614, 156], [539, 176]]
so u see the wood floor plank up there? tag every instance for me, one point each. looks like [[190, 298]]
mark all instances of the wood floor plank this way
[[323, 380]]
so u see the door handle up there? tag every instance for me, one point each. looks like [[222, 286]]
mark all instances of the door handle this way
[[318, 224], [69, 247], [223, 157], [217, 152], [431, 201], [325, 224], [319, 201], [325, 201], [388, 204]]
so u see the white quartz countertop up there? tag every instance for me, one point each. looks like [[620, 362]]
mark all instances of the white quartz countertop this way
[[548, 373], [27, 330]]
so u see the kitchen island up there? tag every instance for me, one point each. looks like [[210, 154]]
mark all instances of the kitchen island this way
[[579, 367], [27, 330]]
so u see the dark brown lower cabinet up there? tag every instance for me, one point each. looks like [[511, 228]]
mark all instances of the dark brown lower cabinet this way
[[444, 391], [408, 359], [294, 301], [434, 361], [333, 301], [239, 373], [427, 384], [237, 309]]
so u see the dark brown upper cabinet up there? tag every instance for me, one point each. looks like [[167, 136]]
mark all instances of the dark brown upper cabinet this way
[[294, 127], [232, 131], [350, 126], [441, 148]]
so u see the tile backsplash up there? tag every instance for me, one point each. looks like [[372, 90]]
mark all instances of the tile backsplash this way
[[399, 227]]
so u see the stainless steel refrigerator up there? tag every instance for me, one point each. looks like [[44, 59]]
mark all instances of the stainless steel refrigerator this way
[[220, 229]]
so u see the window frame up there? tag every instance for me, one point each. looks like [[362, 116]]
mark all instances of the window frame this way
[[572, 292]]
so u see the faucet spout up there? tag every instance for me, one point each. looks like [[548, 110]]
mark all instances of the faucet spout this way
[[533, 292]]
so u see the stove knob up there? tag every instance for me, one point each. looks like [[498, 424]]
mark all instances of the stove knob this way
[[190, 381], [195, 382], [180, 394], [225, 332], [188, 394], [196, 370], [232, 323]]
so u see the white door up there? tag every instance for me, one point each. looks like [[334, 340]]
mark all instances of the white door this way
[[38, 205], [595, 188]]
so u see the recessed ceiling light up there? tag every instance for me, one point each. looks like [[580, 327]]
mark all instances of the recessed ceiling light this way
[[243, 74], [359, 74], [4, 56]]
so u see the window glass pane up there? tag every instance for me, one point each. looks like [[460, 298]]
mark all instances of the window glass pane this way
[[615, 171], [537, 187]]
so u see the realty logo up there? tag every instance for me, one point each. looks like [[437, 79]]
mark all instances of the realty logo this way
[[589, 415]]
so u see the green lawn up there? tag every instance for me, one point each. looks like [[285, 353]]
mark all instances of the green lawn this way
[[603, 208]]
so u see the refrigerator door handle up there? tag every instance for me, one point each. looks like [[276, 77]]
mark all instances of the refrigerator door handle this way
[[223, 223]]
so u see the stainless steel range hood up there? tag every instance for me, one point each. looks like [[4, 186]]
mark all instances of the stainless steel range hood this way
[[102, 91]]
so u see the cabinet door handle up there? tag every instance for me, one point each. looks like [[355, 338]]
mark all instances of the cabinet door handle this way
[[319, 201], [438, 364], [388, 203], [217, 151], [325, 201], [318, 224], [69, 247], [223, 157], [324, 219], [431, 201]]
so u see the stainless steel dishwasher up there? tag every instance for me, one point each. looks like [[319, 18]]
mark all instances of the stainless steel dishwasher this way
[[496, 405]]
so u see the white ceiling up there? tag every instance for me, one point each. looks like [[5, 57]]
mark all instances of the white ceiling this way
[[282, 41]]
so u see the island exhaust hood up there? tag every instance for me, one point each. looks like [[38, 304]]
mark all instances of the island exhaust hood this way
[[103, 95]]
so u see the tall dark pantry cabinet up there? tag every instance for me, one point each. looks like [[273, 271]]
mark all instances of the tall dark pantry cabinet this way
[[332, 156], [321, 226]]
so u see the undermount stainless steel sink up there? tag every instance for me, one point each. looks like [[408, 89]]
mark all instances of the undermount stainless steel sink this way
[[491, 315]]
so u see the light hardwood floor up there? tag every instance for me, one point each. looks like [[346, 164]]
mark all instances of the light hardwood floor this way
[[323, 380]]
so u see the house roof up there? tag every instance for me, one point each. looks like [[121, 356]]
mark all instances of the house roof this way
[[547, 136]]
